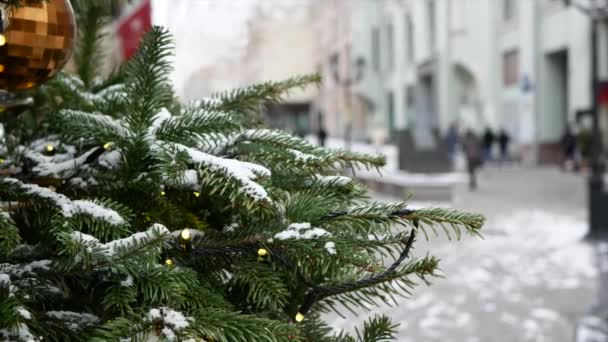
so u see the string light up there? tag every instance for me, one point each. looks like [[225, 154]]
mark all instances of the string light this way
[[1, 160], [107, 146], [49, 148], [262, 252], [2, 28], [196, 194], [299, 317], [162, 193], [169, 262], [185, 234]]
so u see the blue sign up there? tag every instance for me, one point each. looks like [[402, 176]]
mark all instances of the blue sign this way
[[526, 84]]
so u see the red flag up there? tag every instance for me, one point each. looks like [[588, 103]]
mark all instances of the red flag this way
[[133, 27]]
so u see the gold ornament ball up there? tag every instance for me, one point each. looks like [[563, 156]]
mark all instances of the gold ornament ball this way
[[39, 40]]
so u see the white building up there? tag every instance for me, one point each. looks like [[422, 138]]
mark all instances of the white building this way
[[279, 46], [522, 65]]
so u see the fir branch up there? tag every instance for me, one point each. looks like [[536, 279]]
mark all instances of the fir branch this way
[[114, 330], [9, 234], [91, 17], [148, 89], [226, 326], [454, 219], [265, 288], [186, 127], [96, 128], [249, 100], [377, 329]]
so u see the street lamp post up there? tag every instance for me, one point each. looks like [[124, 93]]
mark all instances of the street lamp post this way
[[347, 83], [598, 216]]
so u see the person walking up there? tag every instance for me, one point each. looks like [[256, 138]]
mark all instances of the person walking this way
[[488, 143], [452, 140], [322, 135], [568, 143], [503, 142], [472, 150]]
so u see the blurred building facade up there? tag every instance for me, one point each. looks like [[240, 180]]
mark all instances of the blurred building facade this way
[[521, 65], [279, 46], [111, 45]]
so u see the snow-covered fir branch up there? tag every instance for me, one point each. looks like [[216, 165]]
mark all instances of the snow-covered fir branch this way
[[243, 172], [68, 207]]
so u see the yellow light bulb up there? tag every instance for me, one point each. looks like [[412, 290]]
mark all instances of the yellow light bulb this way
[[262, 252], [185, 234], [196, 194], [1, 160], [2, 39], [169, 262], [2, 67], [107, 146], [162, 193], [50, 148], [299, 317]]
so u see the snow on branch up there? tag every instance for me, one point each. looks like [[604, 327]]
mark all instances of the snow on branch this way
[[74, 320], [118, 246], [78, 88], [21, 333], [332, 180], [68, 207], [68, 166], [8, 271], [173, 321], [95, 123], [302, 231], [243, 172]]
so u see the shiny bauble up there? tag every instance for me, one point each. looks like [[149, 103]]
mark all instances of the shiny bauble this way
[[37, 41]]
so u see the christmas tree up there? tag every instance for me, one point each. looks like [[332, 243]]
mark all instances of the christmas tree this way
[[126, 215]]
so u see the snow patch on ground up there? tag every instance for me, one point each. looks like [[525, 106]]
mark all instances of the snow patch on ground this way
[[523, 252]]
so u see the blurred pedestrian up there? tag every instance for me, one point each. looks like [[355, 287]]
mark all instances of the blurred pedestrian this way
[[452, 140], [321, 135], [503, 142], [488, 143], [568, 143], [472, 150]]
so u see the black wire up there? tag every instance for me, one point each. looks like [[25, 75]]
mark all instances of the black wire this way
[[317, 293]]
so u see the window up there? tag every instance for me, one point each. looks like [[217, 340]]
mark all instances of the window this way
[[376, 49], [390, 51], [390, 99], [457, 15], [432, 23], [508, 9], [510, 67], [408, 99], [409, 34]]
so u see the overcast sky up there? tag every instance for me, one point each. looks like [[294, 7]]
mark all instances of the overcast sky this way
[[204, 30]]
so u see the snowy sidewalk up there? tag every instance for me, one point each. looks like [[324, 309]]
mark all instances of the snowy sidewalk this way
[[530, 279]]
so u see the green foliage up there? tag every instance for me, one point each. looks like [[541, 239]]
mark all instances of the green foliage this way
[[226, 326], [91, 242], [91, 17]]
